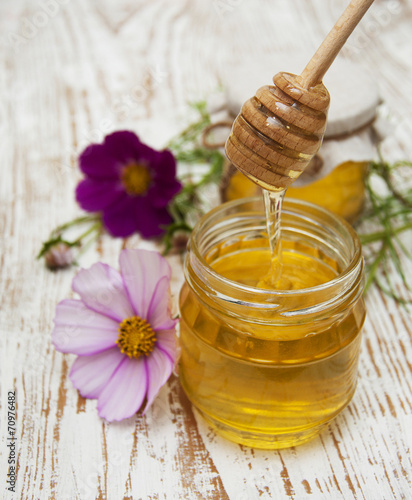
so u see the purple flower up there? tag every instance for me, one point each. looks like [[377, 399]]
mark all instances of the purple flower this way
[[130, 183], [122, 331]]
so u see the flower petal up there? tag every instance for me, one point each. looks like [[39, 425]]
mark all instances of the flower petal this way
[[90, 374], [79, 330], [121, 219], [135, 214], [159, 367], [95, 195], [166, 165], [166, 341], [102, 289], [97, 162], [165, 185], [162, 192], [141, 271], [123, 395], [124, 145], [151, 221], [158, 314]]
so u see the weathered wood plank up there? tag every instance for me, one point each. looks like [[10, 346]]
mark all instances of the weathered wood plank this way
[[73, 71]]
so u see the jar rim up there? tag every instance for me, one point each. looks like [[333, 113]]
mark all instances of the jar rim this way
[[352, 269]]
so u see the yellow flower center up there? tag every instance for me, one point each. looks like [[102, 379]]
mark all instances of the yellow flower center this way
[[136, 179], [136, 337]]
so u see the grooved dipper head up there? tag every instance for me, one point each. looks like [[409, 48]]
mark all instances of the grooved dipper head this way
[[278, 131]]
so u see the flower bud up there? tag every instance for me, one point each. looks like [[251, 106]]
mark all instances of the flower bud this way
[[179, 242], [59, 256]]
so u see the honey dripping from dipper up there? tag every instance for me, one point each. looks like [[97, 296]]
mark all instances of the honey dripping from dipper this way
[[274, 138]]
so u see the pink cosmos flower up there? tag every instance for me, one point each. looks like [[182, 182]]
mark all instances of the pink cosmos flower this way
[[122, 331]]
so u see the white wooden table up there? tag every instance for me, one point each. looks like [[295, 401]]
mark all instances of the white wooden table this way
[[74, 70]]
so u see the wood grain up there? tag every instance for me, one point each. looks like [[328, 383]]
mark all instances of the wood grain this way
[[80, 69]]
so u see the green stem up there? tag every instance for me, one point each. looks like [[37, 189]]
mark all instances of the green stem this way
[[86, 245], [96, 226], [379, 235], [375, 265], [79, 220], [385, 171]]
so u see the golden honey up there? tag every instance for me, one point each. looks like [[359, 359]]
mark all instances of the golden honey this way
[[269, 368]]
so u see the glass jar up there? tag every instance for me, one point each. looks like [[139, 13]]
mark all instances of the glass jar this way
[[270, 368]]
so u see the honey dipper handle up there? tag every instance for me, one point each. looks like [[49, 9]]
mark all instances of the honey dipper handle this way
[[334, 41]]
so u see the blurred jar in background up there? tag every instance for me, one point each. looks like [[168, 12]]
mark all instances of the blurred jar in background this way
[[335, 177]]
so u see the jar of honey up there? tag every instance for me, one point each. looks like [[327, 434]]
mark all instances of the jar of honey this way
[[270, 368]]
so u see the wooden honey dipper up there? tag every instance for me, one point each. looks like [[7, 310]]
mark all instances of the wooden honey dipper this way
[[280, 129]]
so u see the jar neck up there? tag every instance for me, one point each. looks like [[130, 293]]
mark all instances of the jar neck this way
[[321, 230]]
